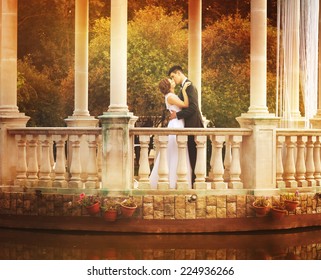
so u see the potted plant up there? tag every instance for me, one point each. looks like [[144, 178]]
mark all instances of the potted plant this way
[[278, 210], [90, 202], [261, 206], [291, 200], [110, 208], [128, 207]]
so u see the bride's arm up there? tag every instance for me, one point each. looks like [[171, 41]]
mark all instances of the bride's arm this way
[[174, 99]]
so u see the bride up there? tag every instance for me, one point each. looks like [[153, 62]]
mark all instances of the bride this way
[[173, 103]]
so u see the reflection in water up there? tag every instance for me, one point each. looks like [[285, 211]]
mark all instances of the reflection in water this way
[[45, 245]]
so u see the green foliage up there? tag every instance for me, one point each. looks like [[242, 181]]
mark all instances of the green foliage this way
[[99, 67], [152, 49], [38, 97], [157, 39], [226, 70]]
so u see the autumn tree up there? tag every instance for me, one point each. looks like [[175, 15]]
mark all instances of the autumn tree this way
[[226, 70]]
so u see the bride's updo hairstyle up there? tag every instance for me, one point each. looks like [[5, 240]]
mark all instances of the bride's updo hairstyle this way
[[164, 86]]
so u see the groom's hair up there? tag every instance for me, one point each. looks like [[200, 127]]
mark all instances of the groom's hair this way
[[174, 69]]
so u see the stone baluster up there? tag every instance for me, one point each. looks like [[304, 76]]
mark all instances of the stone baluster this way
[[227, 159], [45, 167], [60, 166], [99, 156], [163, 183], [279, 162], [300, 162], [32, 161], [200, 166], [21, 161], [217, 168], [310, 169], [289, 166], [317, 162], [75, 165], [182, 182], [235, 172], [52, 159], [92, 171], [144, 168]]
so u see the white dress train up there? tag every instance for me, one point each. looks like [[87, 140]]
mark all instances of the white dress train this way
[[172, 153]]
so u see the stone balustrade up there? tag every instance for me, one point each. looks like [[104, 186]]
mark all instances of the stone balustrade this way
[[224, 157], [298, 158], [71, 157], [57, 157]]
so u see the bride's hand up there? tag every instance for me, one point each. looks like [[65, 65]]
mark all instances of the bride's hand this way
[[173, 115], [186, 85]]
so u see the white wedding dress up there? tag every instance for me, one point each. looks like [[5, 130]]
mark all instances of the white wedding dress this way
[[172, 153]]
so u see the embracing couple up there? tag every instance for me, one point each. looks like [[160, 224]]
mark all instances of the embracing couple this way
[[185, 112]]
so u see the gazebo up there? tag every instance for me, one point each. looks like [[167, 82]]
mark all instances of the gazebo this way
[[259, 158]]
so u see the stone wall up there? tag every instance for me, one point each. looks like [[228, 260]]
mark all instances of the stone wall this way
[[149, 206]]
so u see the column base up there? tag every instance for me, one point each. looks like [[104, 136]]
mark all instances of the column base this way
[[316, 120], [81, 121]]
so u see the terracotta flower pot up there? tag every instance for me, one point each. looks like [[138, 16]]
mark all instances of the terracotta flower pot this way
[[261, 210], [127, 211], [110, 215], [290, 205], [93, 209], [277, 213]]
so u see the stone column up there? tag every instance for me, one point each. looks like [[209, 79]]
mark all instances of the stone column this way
[[258, 150], [118, 57], [81, 115], [8, 53], [316, 120], [117, 162], [195, 44], [9, 112], [258, 58]]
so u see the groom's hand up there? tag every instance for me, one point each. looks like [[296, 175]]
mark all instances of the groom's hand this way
[[173, 115]]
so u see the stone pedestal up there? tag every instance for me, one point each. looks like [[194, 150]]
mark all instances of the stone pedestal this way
[[259, 152], [117, 150], [316, 120], [8, 147]]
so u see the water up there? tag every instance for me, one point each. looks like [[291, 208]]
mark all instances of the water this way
[[45, 245]]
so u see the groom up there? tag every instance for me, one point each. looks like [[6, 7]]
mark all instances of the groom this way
[[191, 115]]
